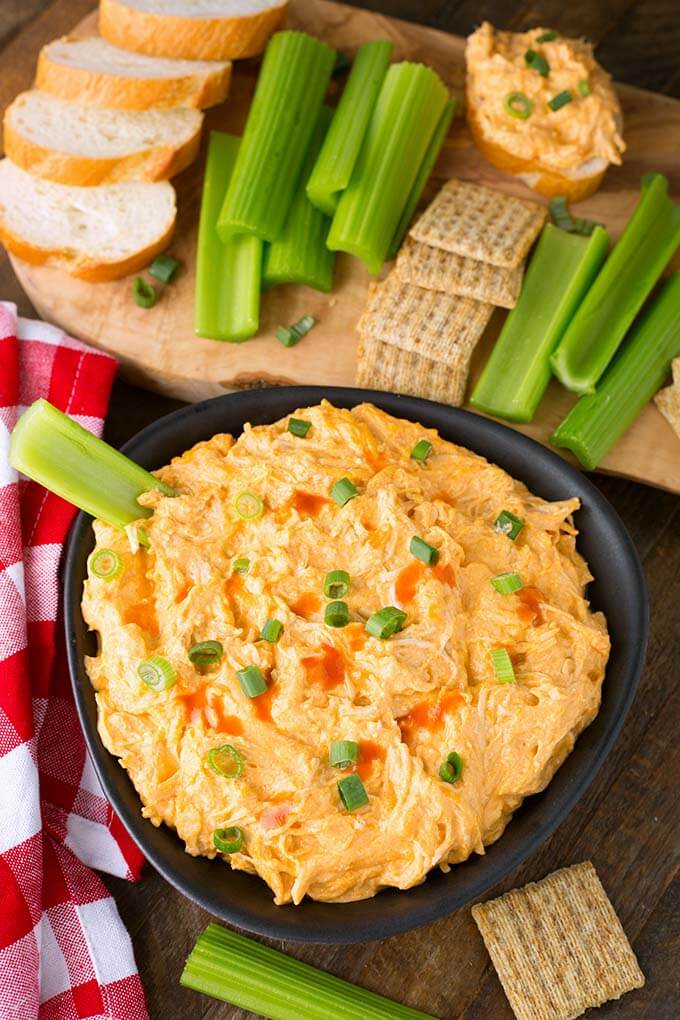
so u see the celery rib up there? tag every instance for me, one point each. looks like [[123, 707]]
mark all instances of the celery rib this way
[[637, 260], [332, 170], [55, 451], [290, 90], [518, 371], [596, 421]]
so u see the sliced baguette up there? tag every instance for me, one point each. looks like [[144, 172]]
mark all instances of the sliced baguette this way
[[87, 145], [192, 29], [94, 233], [93, 72]]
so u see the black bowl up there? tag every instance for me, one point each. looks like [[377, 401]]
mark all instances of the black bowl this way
[[618, 590]]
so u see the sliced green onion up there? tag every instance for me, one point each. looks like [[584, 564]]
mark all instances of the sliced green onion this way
[[289, 336], [248, 506], [565, 221], [560, 100], [241, 565], [272, 631], [342, 63], [386, 622], [225, 761], [336, 584], [405, 118], [105, 563], [596, 422], [507, 524], [584, 87], [518, 371], [229, 840], [547, 36], [537, 62], [502, 663], [506, 584], [288, 97], [254, 977], [252, 681], [421, 451], [451, 769], [206, 653], [518, 105], [343, 491], [157, 673], [423, 552], [336, 614], [608, 309], [352, 792], [164, 268], [144, 293], [57, 452], [343, 753], [298, 427], [332, 170]]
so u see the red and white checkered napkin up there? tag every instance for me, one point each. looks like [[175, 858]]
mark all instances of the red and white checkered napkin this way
[[64, 953]]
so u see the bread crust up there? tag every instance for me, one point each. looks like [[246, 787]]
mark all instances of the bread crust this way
[[165, 35], [99, 88]]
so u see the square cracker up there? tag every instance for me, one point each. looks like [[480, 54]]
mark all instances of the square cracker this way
[[437, 269], [382, 366], [668, 400], [558, 946], [479, 223]]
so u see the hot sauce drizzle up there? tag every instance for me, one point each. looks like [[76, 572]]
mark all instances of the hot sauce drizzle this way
[[327, 668], [307, 604], [407, 582], [357, 636], [204, 704], [308, 504], [368, 753], [530, 611], [429, 715], [262, 704], [444, 572]]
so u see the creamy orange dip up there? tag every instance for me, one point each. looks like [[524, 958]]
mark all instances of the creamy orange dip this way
[[408, 700], [582, 137]]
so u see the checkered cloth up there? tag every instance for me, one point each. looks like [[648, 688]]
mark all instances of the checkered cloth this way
[[64, 953]]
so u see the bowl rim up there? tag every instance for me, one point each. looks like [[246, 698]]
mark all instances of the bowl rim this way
[[557, 799]]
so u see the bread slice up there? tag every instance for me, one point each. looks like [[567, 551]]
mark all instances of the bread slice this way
[[193, 29], [94, 233], [86, 145], [93, 72]]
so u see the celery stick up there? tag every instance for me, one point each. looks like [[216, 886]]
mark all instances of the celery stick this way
[[55, 451], [429, 160], [626, 279], [332, 171], [236, 969], [290, 90], [300, 254], [410, 105], [596, 421], [227, 300], [561, 270]]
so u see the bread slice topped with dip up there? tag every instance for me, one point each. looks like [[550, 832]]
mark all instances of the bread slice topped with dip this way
[[540, 106]]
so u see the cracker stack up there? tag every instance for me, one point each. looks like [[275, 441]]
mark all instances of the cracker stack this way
[[668, 400], [463, 257]]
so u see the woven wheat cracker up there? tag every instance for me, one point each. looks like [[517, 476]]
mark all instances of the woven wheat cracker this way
[[381, 366], [668, 400], [436, 269]]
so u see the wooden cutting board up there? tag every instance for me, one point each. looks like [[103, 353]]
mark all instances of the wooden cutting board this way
[[158, 349]]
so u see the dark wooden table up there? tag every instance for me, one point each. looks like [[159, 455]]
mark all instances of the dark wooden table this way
[[627, 823]]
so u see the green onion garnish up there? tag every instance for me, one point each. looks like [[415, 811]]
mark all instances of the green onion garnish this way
[[563, 219], [343, 753], [502, 663], [105, 563], [157, 673], [343, 491], [230, 840], [423, 552], [547, 36], [164, 268], [386, 622], [518, 105], [560, 100], [248, 506], [421, 451], [225, 761], [507, 524], [584, 87], [451, 769], [241, 565], [144, 293], [537, 62], [272, 631], [336, 584], [506, 584], [352, 792], [252, 681], [298, 427], [336, 614], [292, 335], [206, 653]]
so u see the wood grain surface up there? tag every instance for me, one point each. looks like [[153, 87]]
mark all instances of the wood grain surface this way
[[628, 822]]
